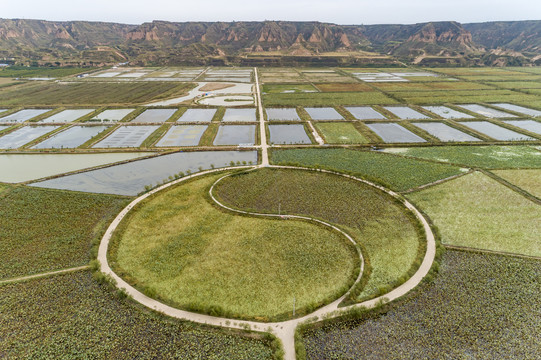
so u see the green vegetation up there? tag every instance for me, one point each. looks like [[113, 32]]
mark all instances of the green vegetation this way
[[328, 99], [90, 93], [478, 212], [45, 230], [480, 306], [340, 87], [73, 316], [382, 227], [466, 96], [340, 133], [487, 157], [393, 171], [289, 88], [40, 72], [430, 86], [181, 248], [528, 180]]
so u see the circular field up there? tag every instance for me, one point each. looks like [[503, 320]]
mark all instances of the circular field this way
[[181, 248]]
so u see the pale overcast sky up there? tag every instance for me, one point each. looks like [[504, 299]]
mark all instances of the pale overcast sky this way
[[337, 11]]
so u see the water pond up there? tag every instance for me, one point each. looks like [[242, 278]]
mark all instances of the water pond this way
[[288, 134], [495, 131], [394, 133], [235, 135], [182, 135], [24, 135], [444, 132], [73, 137], [127, 136]]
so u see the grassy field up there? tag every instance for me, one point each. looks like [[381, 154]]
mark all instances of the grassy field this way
[[478, 212], [207, 260], [479, 307], [40, 72], [382, 227], [528, 180], [45, 230], [430, 86], [328, 99], [487, 157], [89, 93], [517, 84], [340, 133], [340, 87], [395, 172], [72, 316], [289, 88]]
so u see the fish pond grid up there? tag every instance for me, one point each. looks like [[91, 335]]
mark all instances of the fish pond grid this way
[[182, 135], [131, 178], [394, 133], [495, 131], [71, 138], [486, 111], [112, 115], [240, 115], [235, 135], [154, 116], [364, 113], [197, 115], [447, 113], [66, 116], [24, 135], [444, 132], [23, 115], [323, 113], [288, 134], [528, 125], [405, 113], [127, 136], [277, 114], [520, 109]]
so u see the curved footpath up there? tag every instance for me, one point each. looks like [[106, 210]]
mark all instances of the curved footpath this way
[[284, 330]]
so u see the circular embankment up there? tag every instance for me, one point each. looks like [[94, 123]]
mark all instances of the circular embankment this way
[[285, 329]]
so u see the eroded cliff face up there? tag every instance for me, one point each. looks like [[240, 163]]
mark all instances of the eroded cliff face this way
[[153, 42]]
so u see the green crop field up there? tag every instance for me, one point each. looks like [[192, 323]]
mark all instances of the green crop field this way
[[478, 212], [487, 157], [283, 88], [90, 93], [340, 133], [72, 316], [517, 84], [528, 179], [393, 171], [190, 253], [328, 99], [431, 86], [479, 307], [40, 72], [45, 230], [378, 224]]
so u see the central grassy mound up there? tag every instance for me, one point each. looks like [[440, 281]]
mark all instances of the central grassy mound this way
[[178, 246], [382, 226]]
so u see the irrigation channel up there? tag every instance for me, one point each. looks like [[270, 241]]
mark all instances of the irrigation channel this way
[[284, 330]]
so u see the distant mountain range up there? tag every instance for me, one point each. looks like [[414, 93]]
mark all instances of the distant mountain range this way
[[269, 43]]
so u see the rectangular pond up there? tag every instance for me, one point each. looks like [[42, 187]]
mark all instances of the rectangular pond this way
[[23, 115], [112, 115], [197, 115], [520, 109], [235, 135], [529, 125], [23, 136], [394, 133], [182, 135], [405, 113], [154, 116], [447, 113], [66, 116], [26, 167], [239, 115], [276, 114], [108, 74], [131, 178], [364, 113], [444, 132], [126, 136], [486, 111], [495, 131], [71, 138], [323, 113], [288, 134]]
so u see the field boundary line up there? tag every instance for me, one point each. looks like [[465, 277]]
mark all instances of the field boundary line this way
[[487, 251], [511, 186], [437, 182], [42, 275]]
